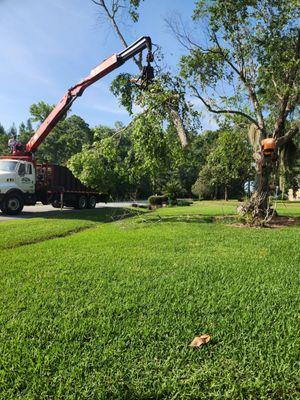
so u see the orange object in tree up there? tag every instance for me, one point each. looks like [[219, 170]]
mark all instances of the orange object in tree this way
[[268, 146]]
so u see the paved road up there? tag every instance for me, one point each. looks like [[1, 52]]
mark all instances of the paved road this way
[[40, 211]]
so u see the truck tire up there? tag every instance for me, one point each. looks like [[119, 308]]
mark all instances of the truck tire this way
[[12, 204], [56, 204], [81, 203], [92, 201]]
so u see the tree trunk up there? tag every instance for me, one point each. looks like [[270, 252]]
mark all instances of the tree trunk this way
[[225, 193], [262, 186], [215, 193], [257, 205]]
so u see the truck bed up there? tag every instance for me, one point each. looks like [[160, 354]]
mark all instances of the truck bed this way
[[62, 178], [54, 181]]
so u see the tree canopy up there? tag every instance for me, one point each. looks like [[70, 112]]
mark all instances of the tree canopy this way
[[228, 165], [249, 65]]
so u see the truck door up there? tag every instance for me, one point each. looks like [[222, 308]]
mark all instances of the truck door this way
[[26, 178]]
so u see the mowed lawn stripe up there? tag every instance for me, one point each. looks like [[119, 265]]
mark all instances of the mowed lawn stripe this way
[[33, 230], [109, 313]]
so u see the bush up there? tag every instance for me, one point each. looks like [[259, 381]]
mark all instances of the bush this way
[[173, 189], [184, 203], [172, 202], [158, 200]]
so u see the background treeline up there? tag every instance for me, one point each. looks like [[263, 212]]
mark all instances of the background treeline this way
[[216, 164]]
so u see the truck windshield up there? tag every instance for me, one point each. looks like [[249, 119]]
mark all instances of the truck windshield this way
[[8, 166]]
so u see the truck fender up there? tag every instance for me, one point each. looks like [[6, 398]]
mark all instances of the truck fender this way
[[15, 191]]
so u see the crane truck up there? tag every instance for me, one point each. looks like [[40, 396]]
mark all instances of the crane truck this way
[[24, 181]]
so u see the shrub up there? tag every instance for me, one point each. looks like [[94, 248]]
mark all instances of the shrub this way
[[173, 189], [184, 203], [172, 202], [158, 200]]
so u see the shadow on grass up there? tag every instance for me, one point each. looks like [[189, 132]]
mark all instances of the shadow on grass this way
[[91, 218], [200, 219], [104, 214]]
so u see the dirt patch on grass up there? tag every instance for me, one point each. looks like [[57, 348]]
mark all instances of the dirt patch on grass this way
[[281, 222], [276, 223]]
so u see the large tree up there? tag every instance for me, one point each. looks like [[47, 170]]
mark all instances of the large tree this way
[[66, 139], [244, 64]]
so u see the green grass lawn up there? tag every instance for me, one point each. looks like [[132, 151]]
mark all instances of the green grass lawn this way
[[109, 312], [288, 208], [28, 231]]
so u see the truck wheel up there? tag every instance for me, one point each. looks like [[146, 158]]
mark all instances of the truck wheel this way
[[12, 204], [56, 204], [81, 203], [92, 201]]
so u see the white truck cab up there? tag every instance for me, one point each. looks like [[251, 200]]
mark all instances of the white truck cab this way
[[17, 184]]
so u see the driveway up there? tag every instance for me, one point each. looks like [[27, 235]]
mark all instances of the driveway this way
[[41, 211]]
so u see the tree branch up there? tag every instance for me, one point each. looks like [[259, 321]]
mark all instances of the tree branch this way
[[287, 106], [124, 128], [111, 17], [289, 135], [251, 91], [178, 126], [177, 28], [176, 120], [224, 111]]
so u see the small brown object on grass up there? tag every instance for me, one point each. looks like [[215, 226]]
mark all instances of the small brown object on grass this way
[[200, 340]]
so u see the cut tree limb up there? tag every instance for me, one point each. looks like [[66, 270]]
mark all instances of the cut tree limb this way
[[111, 16], [178, 125]]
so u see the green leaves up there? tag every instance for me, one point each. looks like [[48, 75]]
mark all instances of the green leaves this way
[[3, 140], [204, 69], [66, 139], [40, 111], [98, 167], [249, 55], [133, 9], [228, 163], [125, 90]]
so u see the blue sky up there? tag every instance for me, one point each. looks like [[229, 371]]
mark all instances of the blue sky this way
[[47, 46]]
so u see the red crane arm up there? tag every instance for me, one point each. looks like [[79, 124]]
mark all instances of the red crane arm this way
[[104, 68]]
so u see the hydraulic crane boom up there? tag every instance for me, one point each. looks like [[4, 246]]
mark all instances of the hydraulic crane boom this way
[[104, 68]]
